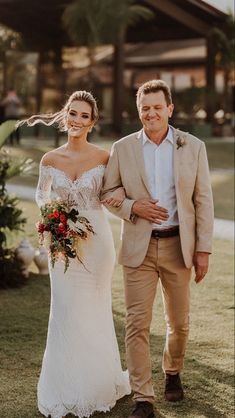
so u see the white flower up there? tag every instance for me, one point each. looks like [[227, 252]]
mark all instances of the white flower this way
[[181, 142], [47, 239], [72, 225]]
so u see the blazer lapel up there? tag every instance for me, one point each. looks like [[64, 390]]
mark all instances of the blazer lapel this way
[[139, 156]]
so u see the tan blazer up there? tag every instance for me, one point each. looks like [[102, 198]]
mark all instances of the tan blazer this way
[[193, 192]]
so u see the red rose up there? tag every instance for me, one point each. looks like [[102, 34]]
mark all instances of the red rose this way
[[61, 228], [41, 228], [50, 216], [63, 218], [56, 214]]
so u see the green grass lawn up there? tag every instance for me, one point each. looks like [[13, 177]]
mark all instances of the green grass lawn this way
[[208, 373], [223, 194], [221, 162], [220, 153]]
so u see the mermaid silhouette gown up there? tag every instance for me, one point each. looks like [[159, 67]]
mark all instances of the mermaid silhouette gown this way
[[81, 370]]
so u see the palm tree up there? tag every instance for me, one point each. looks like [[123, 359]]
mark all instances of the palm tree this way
[[96, 22], [225, 53]]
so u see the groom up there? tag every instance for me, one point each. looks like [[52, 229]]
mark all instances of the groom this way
[[167, 229]]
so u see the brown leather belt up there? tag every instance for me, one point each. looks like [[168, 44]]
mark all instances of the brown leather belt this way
[[167, 233]]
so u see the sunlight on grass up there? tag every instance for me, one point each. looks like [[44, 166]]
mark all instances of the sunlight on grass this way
[[220, 154], [223, 194]]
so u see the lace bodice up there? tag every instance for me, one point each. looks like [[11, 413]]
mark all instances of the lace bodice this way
[[82, 193]]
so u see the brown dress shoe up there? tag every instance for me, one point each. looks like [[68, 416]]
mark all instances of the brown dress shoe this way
[[143, 410], [173, 389]]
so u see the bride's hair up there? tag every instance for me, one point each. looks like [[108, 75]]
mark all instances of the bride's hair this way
[[59, 118]]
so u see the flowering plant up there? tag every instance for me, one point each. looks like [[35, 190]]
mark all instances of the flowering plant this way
[[61, 230], [181, 141]]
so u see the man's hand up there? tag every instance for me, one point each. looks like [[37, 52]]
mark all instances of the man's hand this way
[[148, 209], [201, 264]]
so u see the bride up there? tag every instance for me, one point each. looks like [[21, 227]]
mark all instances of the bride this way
[[81, 370]]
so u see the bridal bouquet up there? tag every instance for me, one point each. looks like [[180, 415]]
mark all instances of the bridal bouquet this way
[[61, 229]]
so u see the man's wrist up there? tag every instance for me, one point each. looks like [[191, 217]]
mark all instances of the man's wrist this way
[[203, 252], [132, 208]]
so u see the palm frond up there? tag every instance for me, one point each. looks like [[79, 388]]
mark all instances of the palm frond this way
[[21, 166], [95, 22], [137, 13], [6, 128], [80, 21]]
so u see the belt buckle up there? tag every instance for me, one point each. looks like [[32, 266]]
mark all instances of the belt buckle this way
[[156, 234]]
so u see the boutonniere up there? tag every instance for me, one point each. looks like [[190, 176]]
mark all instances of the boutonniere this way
[[181, 141]]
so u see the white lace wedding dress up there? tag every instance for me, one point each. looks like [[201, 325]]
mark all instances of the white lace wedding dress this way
[[81, 370]]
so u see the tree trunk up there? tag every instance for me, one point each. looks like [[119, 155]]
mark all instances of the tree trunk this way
[[118, 83], [226, 99], [4, 62], [210, 78], [59, 74], [38, 90]]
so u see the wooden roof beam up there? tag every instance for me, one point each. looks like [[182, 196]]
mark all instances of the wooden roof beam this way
[[207, 7], [175, 12]]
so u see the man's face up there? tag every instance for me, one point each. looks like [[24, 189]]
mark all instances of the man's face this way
[[154, 112]]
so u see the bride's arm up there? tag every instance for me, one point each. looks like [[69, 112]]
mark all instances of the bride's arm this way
[[113, 181], [43, 190], [116, 198]]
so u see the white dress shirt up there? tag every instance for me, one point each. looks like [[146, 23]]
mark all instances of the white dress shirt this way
[[159, 167]]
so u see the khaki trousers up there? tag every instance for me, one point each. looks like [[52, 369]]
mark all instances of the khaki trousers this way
[[163, 261]]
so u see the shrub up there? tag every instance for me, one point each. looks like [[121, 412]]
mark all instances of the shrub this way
[[11, 218]]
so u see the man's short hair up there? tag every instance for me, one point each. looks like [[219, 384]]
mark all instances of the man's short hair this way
[[153, 86]]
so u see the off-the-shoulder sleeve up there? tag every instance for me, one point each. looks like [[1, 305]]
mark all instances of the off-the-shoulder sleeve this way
[[44, 186]]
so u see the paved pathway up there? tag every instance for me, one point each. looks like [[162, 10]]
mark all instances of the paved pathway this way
[[223, 229]]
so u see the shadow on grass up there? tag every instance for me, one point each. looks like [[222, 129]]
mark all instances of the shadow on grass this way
[[200, 380]]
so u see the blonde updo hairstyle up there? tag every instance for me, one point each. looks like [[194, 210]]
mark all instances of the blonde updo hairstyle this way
[[59, 118]]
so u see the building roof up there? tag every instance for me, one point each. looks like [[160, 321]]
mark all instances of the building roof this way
[[40, 21], [177, 19], [164, 53]]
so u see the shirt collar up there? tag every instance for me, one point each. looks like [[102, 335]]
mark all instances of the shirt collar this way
[[169, 136]]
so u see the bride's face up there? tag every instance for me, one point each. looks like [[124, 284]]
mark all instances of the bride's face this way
[[79, 118]]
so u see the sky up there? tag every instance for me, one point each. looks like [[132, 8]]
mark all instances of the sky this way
[[222, 4]]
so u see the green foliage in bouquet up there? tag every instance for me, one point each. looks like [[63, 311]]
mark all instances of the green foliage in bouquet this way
[[11, 218]]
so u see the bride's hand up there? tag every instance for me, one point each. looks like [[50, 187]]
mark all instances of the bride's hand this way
[[116, 198]]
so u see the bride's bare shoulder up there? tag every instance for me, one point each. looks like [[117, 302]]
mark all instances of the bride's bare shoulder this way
[[102, 154], [52, 156]]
